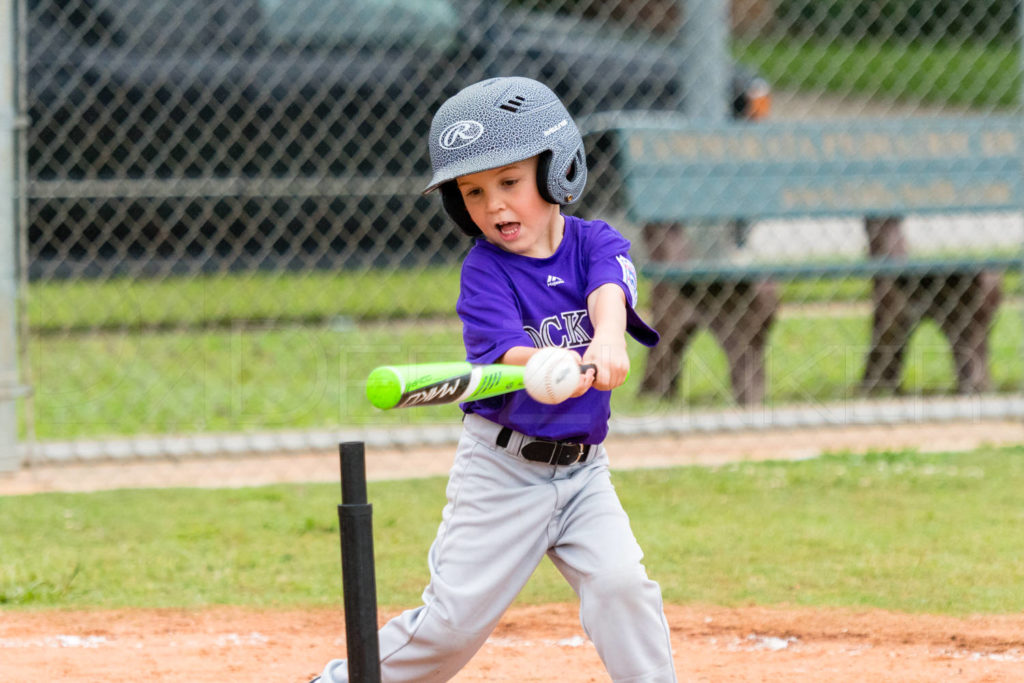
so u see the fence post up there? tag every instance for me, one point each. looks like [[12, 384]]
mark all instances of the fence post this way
[[9, 384], [704, 40]]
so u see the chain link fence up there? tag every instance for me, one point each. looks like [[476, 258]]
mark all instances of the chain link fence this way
[[222, 232]]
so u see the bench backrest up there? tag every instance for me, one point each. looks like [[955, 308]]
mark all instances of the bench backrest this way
[[674, 169]]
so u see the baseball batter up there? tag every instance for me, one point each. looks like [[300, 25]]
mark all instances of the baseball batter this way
[[530, 479]]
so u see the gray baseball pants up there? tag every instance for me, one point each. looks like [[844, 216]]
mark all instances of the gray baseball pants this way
[[503, 515]]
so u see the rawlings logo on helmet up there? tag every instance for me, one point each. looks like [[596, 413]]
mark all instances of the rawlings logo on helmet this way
[[460, 134]]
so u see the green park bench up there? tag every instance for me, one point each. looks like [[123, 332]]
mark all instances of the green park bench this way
[[675, 171]]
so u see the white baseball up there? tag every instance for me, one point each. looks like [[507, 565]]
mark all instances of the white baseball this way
[[552, 374]]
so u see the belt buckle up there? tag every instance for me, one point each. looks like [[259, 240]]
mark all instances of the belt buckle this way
[[580, 450]]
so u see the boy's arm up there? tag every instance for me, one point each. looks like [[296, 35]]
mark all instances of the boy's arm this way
[[607, 308], [518, 355]]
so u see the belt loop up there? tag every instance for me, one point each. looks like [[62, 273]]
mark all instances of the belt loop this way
[[503, 437]]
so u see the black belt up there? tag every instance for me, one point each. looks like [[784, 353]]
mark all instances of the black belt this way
[[550, 452]]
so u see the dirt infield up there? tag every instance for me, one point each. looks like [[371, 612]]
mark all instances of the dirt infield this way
[[625, 452], [542, 643]]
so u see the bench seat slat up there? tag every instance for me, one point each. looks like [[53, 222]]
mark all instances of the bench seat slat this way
[[711, 272]]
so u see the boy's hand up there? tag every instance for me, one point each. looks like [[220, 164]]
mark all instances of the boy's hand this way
[[612, 361], [586, 381]]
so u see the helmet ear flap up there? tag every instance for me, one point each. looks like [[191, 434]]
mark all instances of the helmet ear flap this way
[[567, 183], [455, 207], [543, 168]]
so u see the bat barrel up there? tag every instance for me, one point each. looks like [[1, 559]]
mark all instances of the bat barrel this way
[[427, 384], [355, 518]]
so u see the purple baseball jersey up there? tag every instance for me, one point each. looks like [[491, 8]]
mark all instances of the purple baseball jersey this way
[[509, 300]]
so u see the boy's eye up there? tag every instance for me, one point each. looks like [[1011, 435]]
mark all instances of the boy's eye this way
[[510, 181], [471, 192]]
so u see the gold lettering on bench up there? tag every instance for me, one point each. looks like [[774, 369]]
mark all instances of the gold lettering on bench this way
[[853, 195], [788, 146], [998, 143]]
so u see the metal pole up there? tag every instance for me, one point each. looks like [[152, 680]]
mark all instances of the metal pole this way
[[1020, 107], [1020, 55], [10, 387], [704, 40], [355, 517]]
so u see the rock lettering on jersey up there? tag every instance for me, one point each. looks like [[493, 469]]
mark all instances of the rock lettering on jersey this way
[[565, 330]]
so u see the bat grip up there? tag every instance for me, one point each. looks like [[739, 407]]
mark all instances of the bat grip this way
[[591, 366]]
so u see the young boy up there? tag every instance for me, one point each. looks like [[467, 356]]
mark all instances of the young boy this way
[[530, 479]]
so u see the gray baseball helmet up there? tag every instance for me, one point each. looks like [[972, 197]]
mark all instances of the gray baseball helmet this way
[[500, 121]]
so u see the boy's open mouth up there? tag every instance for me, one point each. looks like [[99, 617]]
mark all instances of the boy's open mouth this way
[[508, 230]]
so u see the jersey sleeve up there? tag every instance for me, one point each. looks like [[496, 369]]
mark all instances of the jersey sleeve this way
[[491, 317], [608, 261]]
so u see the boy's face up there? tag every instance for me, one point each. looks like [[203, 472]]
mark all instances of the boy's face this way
[[506, 206]]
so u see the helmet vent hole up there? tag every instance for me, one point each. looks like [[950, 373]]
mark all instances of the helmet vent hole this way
[[570, 174], [514, 104]]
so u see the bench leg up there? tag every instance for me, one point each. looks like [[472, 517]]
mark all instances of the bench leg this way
[[893, 321], [675, 318], [743, 317], [964, 306], [673, 314], [967, 322], [740, 316]]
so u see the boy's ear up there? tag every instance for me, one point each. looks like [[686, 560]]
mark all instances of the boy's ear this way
[[454, 205]]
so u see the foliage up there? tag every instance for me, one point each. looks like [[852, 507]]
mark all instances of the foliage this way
[[974, 75], [904, 20]]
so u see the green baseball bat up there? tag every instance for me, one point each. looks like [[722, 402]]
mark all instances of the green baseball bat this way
[[427, 384]]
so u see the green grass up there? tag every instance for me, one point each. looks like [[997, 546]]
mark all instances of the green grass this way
[[884, 530], [289, 377], [983, 76], [309, 298], [900, 531], [225, 300], [225, 380]]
